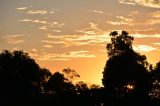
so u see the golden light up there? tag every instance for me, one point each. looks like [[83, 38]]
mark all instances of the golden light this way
[[130, 87]]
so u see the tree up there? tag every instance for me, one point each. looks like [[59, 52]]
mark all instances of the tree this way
[[81, 87], [155, 84], [45, 75], [58, 84], [19, 77], [125, 75], [70, 74]]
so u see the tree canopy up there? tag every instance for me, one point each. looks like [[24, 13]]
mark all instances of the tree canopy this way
[[125, 72]]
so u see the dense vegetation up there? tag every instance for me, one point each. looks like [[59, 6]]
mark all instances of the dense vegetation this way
[[128, 80]]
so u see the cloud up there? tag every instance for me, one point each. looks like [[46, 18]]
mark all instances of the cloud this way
[[53, 24], [78, 54], [133, 13], [148, 21], [47, 57], [96, 11], [46, 28], [22, 8], [76, 40], [127, 2], [52, 42], [147, 3], [47, 46], [91, 35], [33, 53], [14, 39], [121, 20], [46, 25], [146, 32], [153, 21], [41, 12], [43, 27], [155, 14], [65, 56], [34, 21], [91, 30], [58, 31], [29, 10], [99, 12], [146, 36], [144, 48], [152, 18], [116, 23], [157, 43]]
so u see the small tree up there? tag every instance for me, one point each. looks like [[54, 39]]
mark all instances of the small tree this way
[[70, 74]]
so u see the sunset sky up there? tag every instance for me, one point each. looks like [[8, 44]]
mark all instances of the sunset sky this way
[[73, 33]]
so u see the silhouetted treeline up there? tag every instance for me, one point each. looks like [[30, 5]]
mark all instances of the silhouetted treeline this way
[[128, 80]]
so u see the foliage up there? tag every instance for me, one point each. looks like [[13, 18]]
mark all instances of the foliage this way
[[19, 77], [125, 72], [155, 82], [70, 74]]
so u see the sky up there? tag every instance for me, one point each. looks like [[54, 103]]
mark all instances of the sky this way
[[73, 33]]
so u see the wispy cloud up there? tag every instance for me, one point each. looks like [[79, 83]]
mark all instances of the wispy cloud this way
[[22, 8], [65, 56], [52, 42], [147, 3], [41, 12], [147, 21], [91, 30], [153, 21], [46, 25], [33, 52], [14, 39], [157, 43], [87, 36], [47, 46], [152, 18], [77, 54], [133, 13], [146, 32], [99, 12], [155, 14], [144, 48], [58, 31], [121, 20], [146, 35], [46, 28], [127, 2], [43, 27], [29, 10], [34, 21], [96, 11]]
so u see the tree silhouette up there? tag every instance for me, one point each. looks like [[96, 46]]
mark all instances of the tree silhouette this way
[[70, 74], [19, 77], [45, 75], [58, 83], [125, 76], [81, 87], [155, 85]]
